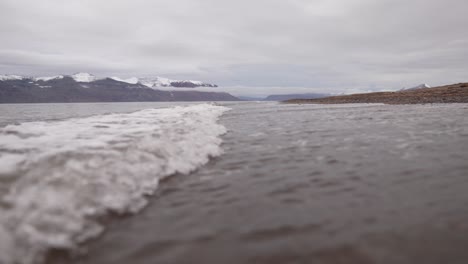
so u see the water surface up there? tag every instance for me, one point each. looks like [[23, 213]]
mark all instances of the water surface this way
[[313, 184], [310, 184]]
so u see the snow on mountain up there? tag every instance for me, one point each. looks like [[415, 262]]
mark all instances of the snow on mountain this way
[[83, 77], [151, 82], [156, 82], [45, 79], [147, 83], [132, 80], [194, 82], [8, 77], [160, 81], [421, 86]]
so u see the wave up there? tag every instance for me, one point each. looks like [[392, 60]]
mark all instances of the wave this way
[[58, 178]]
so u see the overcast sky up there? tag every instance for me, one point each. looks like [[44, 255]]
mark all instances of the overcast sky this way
[[251, 47]]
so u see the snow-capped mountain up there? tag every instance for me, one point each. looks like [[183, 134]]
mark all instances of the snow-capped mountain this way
[[421, 86], [164, 82], [146, 81], [85, 87], [156, 82], [7, 77], [132, 80], [45, 79], [151, 82], [83, 77]]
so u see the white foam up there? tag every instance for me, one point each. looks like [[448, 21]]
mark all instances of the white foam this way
[[62, 175]]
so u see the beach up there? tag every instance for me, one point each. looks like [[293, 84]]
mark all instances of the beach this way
[[455, 93], [234, 132]]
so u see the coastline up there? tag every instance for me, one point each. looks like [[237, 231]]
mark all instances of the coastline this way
[[454, 93]]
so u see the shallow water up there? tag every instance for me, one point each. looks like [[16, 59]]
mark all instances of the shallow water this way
[[20, 113], [58, 178], [310, 184]]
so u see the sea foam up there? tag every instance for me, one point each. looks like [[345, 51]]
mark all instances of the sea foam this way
[[58, 178]]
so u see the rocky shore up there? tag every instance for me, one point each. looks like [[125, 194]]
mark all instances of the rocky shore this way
[[455, 93]]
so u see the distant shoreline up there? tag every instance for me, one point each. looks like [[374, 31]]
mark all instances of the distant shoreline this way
[[454, 93]]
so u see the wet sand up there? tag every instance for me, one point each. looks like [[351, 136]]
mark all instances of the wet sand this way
[[311, 184]]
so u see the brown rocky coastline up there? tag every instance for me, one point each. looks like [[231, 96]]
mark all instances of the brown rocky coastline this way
[[455, 93]]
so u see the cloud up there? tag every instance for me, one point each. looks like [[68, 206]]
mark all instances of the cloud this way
[[321, 45]]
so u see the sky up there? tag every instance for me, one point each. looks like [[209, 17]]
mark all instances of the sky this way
[[247, 47]]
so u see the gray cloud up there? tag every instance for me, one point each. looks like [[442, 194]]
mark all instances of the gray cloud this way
[[305, 45]]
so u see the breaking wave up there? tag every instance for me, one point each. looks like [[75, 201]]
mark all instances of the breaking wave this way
[[57, 178]]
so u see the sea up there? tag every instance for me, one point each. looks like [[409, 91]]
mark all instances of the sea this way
[[233, 182]]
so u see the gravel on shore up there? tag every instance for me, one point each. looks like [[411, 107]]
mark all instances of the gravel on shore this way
[[455, 93]]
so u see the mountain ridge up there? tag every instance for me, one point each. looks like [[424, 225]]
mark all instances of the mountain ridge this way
[[150, 82], [421, 86], [87, 88]]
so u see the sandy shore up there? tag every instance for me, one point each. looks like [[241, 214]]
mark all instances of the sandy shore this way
[[455, 93]]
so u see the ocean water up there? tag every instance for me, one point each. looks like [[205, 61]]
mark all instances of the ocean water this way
[[254, 182], [57, 177]]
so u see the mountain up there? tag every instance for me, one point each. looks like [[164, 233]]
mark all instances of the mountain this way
[[283, 97], [150, 82], [250, 98], [85, 87], [421, 86], [84, 77], [164, 82]]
